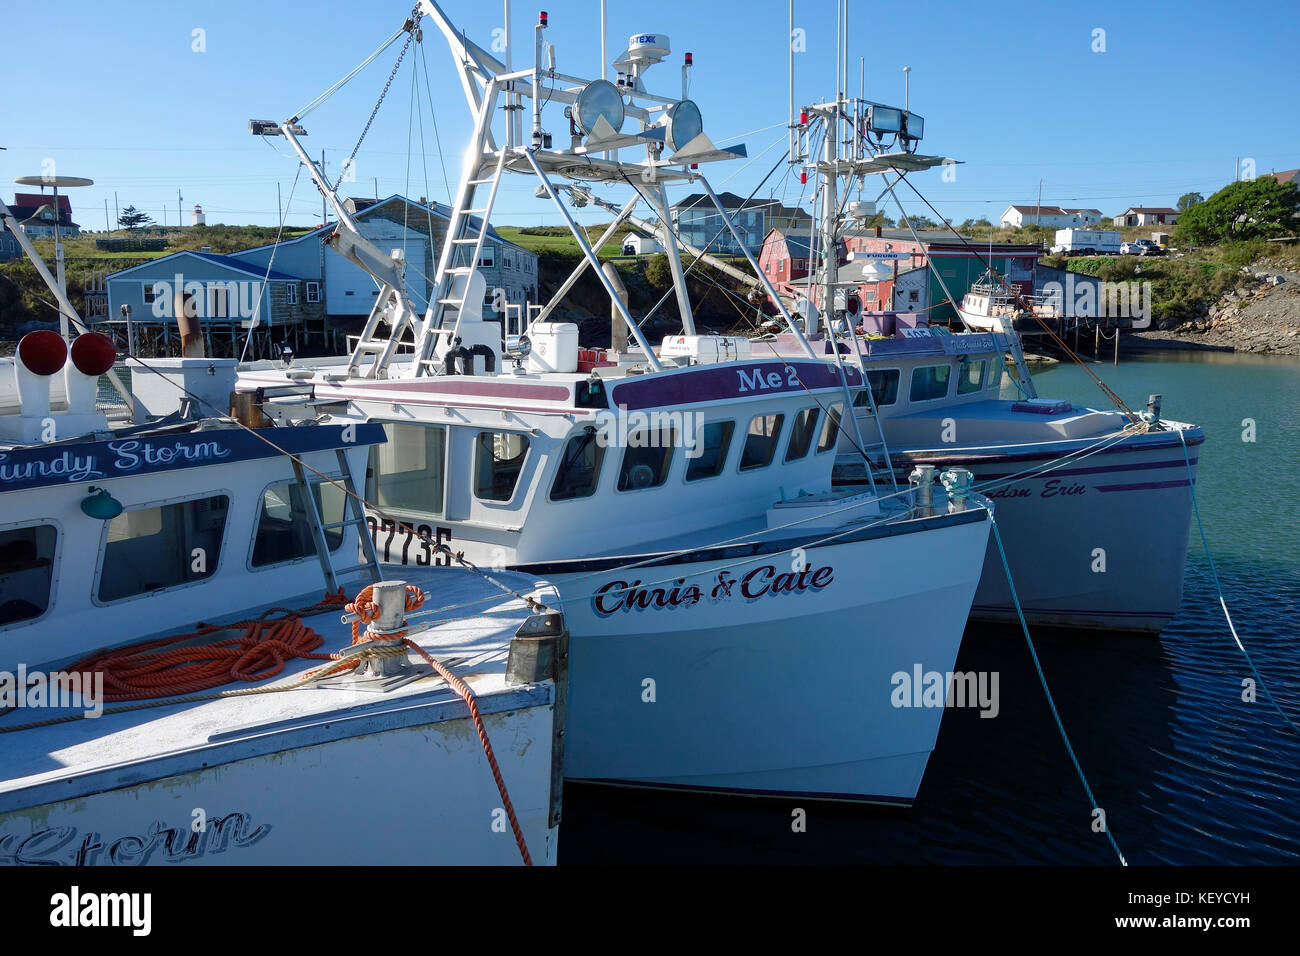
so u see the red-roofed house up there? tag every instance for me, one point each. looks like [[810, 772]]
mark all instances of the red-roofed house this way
[[1050, 217], [1147, 216], [1285, 176]]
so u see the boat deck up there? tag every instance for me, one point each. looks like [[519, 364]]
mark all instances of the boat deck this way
[[66, 760]]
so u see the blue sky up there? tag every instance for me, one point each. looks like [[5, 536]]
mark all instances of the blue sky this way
[[116, 92]]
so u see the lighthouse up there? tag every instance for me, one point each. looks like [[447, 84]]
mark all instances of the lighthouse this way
[[196, 217]]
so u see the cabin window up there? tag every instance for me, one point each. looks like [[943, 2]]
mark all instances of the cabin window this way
[[710, 451], [498, 460], [973, 377], [149, 549], [408, 472], [760, 443], [831, 430], [487, 257], [26, 572], [579, 468], [291, 294], [283, 532], [884, 387], [930, 382], [801, 436], [313, 291], [646, 462]]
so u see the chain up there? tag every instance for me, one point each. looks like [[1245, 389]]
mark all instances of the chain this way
[[411, 27]]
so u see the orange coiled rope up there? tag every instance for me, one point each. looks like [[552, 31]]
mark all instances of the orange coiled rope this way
[[160, 668], [367, 612]]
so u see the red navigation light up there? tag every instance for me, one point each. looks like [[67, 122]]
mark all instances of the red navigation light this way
[[43, 352], [803, 118], [803, 179], [93, 353], [690, 59], [541, 18]]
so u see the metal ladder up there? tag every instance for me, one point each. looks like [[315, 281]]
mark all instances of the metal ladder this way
[[465, 233], [879, 447], [356, 517], [1018, 356], [383, 348]]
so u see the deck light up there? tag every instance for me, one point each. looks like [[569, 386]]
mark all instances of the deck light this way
[[100, 504], [599, 99], [884, 120], [684, 124]]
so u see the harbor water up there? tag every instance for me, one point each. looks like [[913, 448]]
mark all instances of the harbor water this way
[[1185, 770]]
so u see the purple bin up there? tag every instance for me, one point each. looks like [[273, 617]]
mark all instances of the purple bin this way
[[878, 323], [911, 320]]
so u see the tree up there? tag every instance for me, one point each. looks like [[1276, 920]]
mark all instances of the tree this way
[[1251, 209], [133, 218], [1187, 200], [879, 219], [922, 222]]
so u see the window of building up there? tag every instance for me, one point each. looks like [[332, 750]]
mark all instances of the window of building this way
[[712, 446], [801, 436], [150, 293], [930, 382], [760, 442], [487, 256], [831, 430], [150, 549], [579, 469], [646, 462], [498, 460], [26, 572], [313, 291], [291, 293], [283, 531], [408, 472], [973, 377]]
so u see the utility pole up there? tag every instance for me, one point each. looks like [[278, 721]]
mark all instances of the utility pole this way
[[180, 216], [117, 215], [1038, 212], [107, 227]]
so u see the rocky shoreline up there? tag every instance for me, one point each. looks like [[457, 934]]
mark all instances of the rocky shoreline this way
[[1261, 317]]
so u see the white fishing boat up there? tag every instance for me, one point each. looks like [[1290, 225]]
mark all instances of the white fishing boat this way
[[176, 683], [737, 623], [1094, 504], [993, 305]]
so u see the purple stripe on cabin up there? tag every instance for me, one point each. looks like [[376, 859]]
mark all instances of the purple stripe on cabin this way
[[708, 384]]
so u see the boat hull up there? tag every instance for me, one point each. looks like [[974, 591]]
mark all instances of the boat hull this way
[[746, 690], [382, 794], [1097, 543]]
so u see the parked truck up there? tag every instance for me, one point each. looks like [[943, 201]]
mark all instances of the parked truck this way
[[1086, 242]]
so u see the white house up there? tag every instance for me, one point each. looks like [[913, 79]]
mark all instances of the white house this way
[[1050, 217], [1143, 216]]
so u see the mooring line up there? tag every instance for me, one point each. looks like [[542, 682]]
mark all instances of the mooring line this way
[[1042, 679], [1218, 586]]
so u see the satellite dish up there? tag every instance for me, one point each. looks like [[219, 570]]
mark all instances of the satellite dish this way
[[58, 182], [599, 99], [684, 124]]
